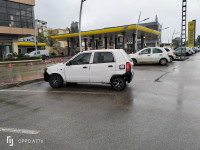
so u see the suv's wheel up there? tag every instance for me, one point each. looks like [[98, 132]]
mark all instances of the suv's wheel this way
[[55, 81], [118, 83], [163, 61], [134, 61]]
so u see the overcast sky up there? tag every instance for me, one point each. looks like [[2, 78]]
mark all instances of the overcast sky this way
[[108, 13]]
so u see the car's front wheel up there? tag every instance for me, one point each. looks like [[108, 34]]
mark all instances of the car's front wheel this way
[[55, 81], [134, 61], [118, 83]]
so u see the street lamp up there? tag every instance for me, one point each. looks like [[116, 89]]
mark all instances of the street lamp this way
[[174, 33], [35, 36], [136, 36], [80, 43]]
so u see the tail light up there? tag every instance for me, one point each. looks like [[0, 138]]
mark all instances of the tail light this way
[[128, 66], [168, 54], [173, 52]]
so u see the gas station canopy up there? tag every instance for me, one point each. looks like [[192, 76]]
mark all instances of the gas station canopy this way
[[128, 30]]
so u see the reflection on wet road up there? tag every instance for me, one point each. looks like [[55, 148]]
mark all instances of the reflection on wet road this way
[[159, 110]]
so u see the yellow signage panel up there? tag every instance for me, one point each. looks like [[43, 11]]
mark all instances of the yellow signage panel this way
[[191, 33]]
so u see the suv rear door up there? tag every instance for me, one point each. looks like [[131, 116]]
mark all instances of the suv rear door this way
[[102, 67]]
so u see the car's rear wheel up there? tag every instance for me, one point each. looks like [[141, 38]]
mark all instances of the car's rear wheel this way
[[118, 83], [134, 61], [55, 81], [163, 61], [171, 58]]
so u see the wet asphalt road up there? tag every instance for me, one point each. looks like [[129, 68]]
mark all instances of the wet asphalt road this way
[[159, 110]]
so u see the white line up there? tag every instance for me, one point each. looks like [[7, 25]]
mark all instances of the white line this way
[[73, 92], [22, 131]]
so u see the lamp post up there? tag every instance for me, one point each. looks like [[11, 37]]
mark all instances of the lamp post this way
[[80, 42], [35, 36], [136, 36]]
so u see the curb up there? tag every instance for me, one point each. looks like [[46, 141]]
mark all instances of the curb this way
[[18, 84], [18, 62]]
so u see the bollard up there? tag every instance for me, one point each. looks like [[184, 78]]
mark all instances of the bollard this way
[[31, 64], [55, 61], [58, 60], [45, 62], [9, 66]]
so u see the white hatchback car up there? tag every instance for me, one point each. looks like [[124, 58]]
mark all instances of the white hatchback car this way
[[171, 54], [96, 66], [151, 55]]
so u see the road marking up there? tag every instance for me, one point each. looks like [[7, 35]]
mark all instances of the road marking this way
[[73, 92], [22, 131]]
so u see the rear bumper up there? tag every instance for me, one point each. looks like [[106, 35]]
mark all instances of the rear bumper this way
[[129, 76], [46, 77]]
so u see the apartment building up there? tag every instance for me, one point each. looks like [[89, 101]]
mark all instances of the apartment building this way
[[16, 21]]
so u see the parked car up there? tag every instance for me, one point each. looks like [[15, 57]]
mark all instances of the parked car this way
[[195, 49], [150, 55], [40, 53], [96, 66], [171, 54], [183, 51]]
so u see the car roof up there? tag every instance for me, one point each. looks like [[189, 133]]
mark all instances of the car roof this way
[[103, 50]]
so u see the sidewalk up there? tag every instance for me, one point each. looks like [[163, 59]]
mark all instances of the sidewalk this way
[[22, 72]]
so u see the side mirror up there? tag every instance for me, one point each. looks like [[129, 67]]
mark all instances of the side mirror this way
[[69, 63]]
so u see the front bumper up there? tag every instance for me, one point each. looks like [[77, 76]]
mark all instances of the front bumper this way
[[46, 77], [129, 76]]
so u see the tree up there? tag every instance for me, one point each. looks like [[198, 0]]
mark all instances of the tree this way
[[176, 42], [41, 38], [51, 42]]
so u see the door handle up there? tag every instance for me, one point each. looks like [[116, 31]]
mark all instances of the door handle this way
[[85, 67], [149, 55], [110, 66]]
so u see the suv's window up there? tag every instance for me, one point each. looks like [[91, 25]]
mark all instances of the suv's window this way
[[156, 50], [81, 59], [38, 52], [103, 57], [146, 51]]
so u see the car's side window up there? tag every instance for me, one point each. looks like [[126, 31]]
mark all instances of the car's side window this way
[[38, 52], [156, 51], [103, 57], [146, 51], [167, 49], [81, 59]]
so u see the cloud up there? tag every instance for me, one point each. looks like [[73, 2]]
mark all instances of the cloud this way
[[107, 13]]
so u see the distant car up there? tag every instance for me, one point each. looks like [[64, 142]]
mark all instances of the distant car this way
[[151, 55], [183, 51], [40, 53], [195, 49], [189, 51], [171, 54]]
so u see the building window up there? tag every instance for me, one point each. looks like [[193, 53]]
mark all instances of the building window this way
[[14, 14]]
